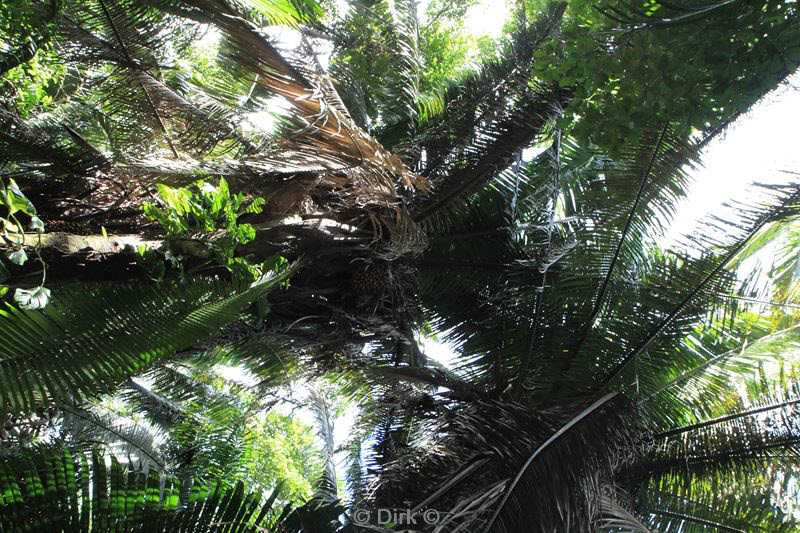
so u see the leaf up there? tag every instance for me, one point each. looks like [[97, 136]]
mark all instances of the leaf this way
[[36, 224], [4, 273], [38, 494], [18, 257], [255, 206], [32, 299], [16, 201], [8, 225], [125, 329]]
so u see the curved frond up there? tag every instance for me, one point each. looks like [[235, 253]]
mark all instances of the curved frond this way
[[91, 338]]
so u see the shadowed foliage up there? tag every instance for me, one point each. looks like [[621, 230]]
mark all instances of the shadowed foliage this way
[[511, 198]]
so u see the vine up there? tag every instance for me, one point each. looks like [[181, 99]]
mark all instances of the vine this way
[[16, 203]]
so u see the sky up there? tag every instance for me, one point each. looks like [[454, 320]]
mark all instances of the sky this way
[[762, 146], [486, 18]]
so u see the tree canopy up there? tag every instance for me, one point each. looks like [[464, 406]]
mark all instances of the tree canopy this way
[[220, 214]]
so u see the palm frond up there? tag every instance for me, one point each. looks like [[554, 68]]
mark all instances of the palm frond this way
[[37, 151], [559, 511], [748, 509], [488, 118], [84, 429], [55, 490], [759, 218], [91, 338], [160, 410], [617, 518], [326, 490]]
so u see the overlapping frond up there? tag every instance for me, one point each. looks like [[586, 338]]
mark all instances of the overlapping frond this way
[[89, 339], [56, 490]]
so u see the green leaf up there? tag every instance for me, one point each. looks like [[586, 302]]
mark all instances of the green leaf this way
[[16, 201], [8, 225], [4, 273], [32, 299], [18, 257], [38, 493], [255, 206], [36, 224], [130, 327]]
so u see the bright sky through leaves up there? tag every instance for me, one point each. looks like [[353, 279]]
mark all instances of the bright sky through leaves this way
[[760, 147]]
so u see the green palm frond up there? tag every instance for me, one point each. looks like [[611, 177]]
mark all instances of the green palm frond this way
[[748, 509], [383, 87], [742, 434], [160, 410], [705, 390], [55, 490], [582, 227], [264, 353], [206, 430], [326, 484], [784, 204], [82, 429], [91, 338]]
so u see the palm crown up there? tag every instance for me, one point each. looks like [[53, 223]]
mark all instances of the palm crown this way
[[602, 382]]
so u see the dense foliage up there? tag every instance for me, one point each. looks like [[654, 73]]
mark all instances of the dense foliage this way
[[225, 223]]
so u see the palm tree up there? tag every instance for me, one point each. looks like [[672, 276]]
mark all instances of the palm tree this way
[[593, 387]]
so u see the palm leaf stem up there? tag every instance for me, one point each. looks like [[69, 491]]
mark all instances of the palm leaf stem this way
[[601, 293], [565, 428], [714, 360], [80, 413], [722, 419], [598, 304], [654, 332]]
